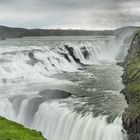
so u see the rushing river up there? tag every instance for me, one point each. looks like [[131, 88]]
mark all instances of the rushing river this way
[[66, 87]]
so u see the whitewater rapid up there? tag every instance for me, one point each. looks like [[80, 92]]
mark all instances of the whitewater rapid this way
[[67, 93]]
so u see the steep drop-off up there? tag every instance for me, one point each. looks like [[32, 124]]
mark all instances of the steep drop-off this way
[[131, 80]]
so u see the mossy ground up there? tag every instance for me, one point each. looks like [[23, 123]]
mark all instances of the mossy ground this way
[[13, 131]]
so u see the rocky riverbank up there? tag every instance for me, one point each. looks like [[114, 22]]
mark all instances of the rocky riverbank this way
[[131, 80]]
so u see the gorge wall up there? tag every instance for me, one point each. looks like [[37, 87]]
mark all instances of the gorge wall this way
[[131, 80]]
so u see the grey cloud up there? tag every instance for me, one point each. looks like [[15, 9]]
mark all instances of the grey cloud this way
[[69, 13]]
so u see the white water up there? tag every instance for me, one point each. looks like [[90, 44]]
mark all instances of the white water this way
[[72, 126], [57, 119], [17, 68]]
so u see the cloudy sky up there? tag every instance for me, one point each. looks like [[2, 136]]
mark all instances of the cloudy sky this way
[[81, 14]]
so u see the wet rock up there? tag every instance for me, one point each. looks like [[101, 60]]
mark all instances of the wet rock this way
[[55, 94], [32, 60], [120, 64], [71, 52], [85, 52], [82, 68], [132, 125], [66, 56]]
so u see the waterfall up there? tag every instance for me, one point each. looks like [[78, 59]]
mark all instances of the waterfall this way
[[56, 121], [28, 69], [16, 64], [72, 126]]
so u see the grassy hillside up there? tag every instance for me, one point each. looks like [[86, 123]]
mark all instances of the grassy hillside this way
[[13, 131]]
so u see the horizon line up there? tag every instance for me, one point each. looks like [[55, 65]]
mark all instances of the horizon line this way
[[84, 29]]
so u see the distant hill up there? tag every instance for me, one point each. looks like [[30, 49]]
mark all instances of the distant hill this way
[[8, 32]]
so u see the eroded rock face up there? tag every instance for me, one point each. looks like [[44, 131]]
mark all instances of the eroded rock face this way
[[131, 80], [85, 52], [71, 52]]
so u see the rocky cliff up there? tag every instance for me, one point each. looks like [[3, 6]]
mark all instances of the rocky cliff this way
[[131, 80]]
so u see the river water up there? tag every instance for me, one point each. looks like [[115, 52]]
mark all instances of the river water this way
[[42, 86]]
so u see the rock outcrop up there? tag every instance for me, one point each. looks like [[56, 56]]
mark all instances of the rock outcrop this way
[[71, 52], [131, 80]]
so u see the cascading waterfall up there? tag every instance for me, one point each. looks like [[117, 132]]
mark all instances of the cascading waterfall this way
[[56, 121], [15, 62], [72, 126], [28, 70]]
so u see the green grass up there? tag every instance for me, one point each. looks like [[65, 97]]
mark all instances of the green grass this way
[[13, 131]]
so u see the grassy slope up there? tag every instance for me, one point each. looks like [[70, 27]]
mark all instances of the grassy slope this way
[[13, 131]]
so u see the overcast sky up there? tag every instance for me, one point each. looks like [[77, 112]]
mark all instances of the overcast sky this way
[[81, 14]]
